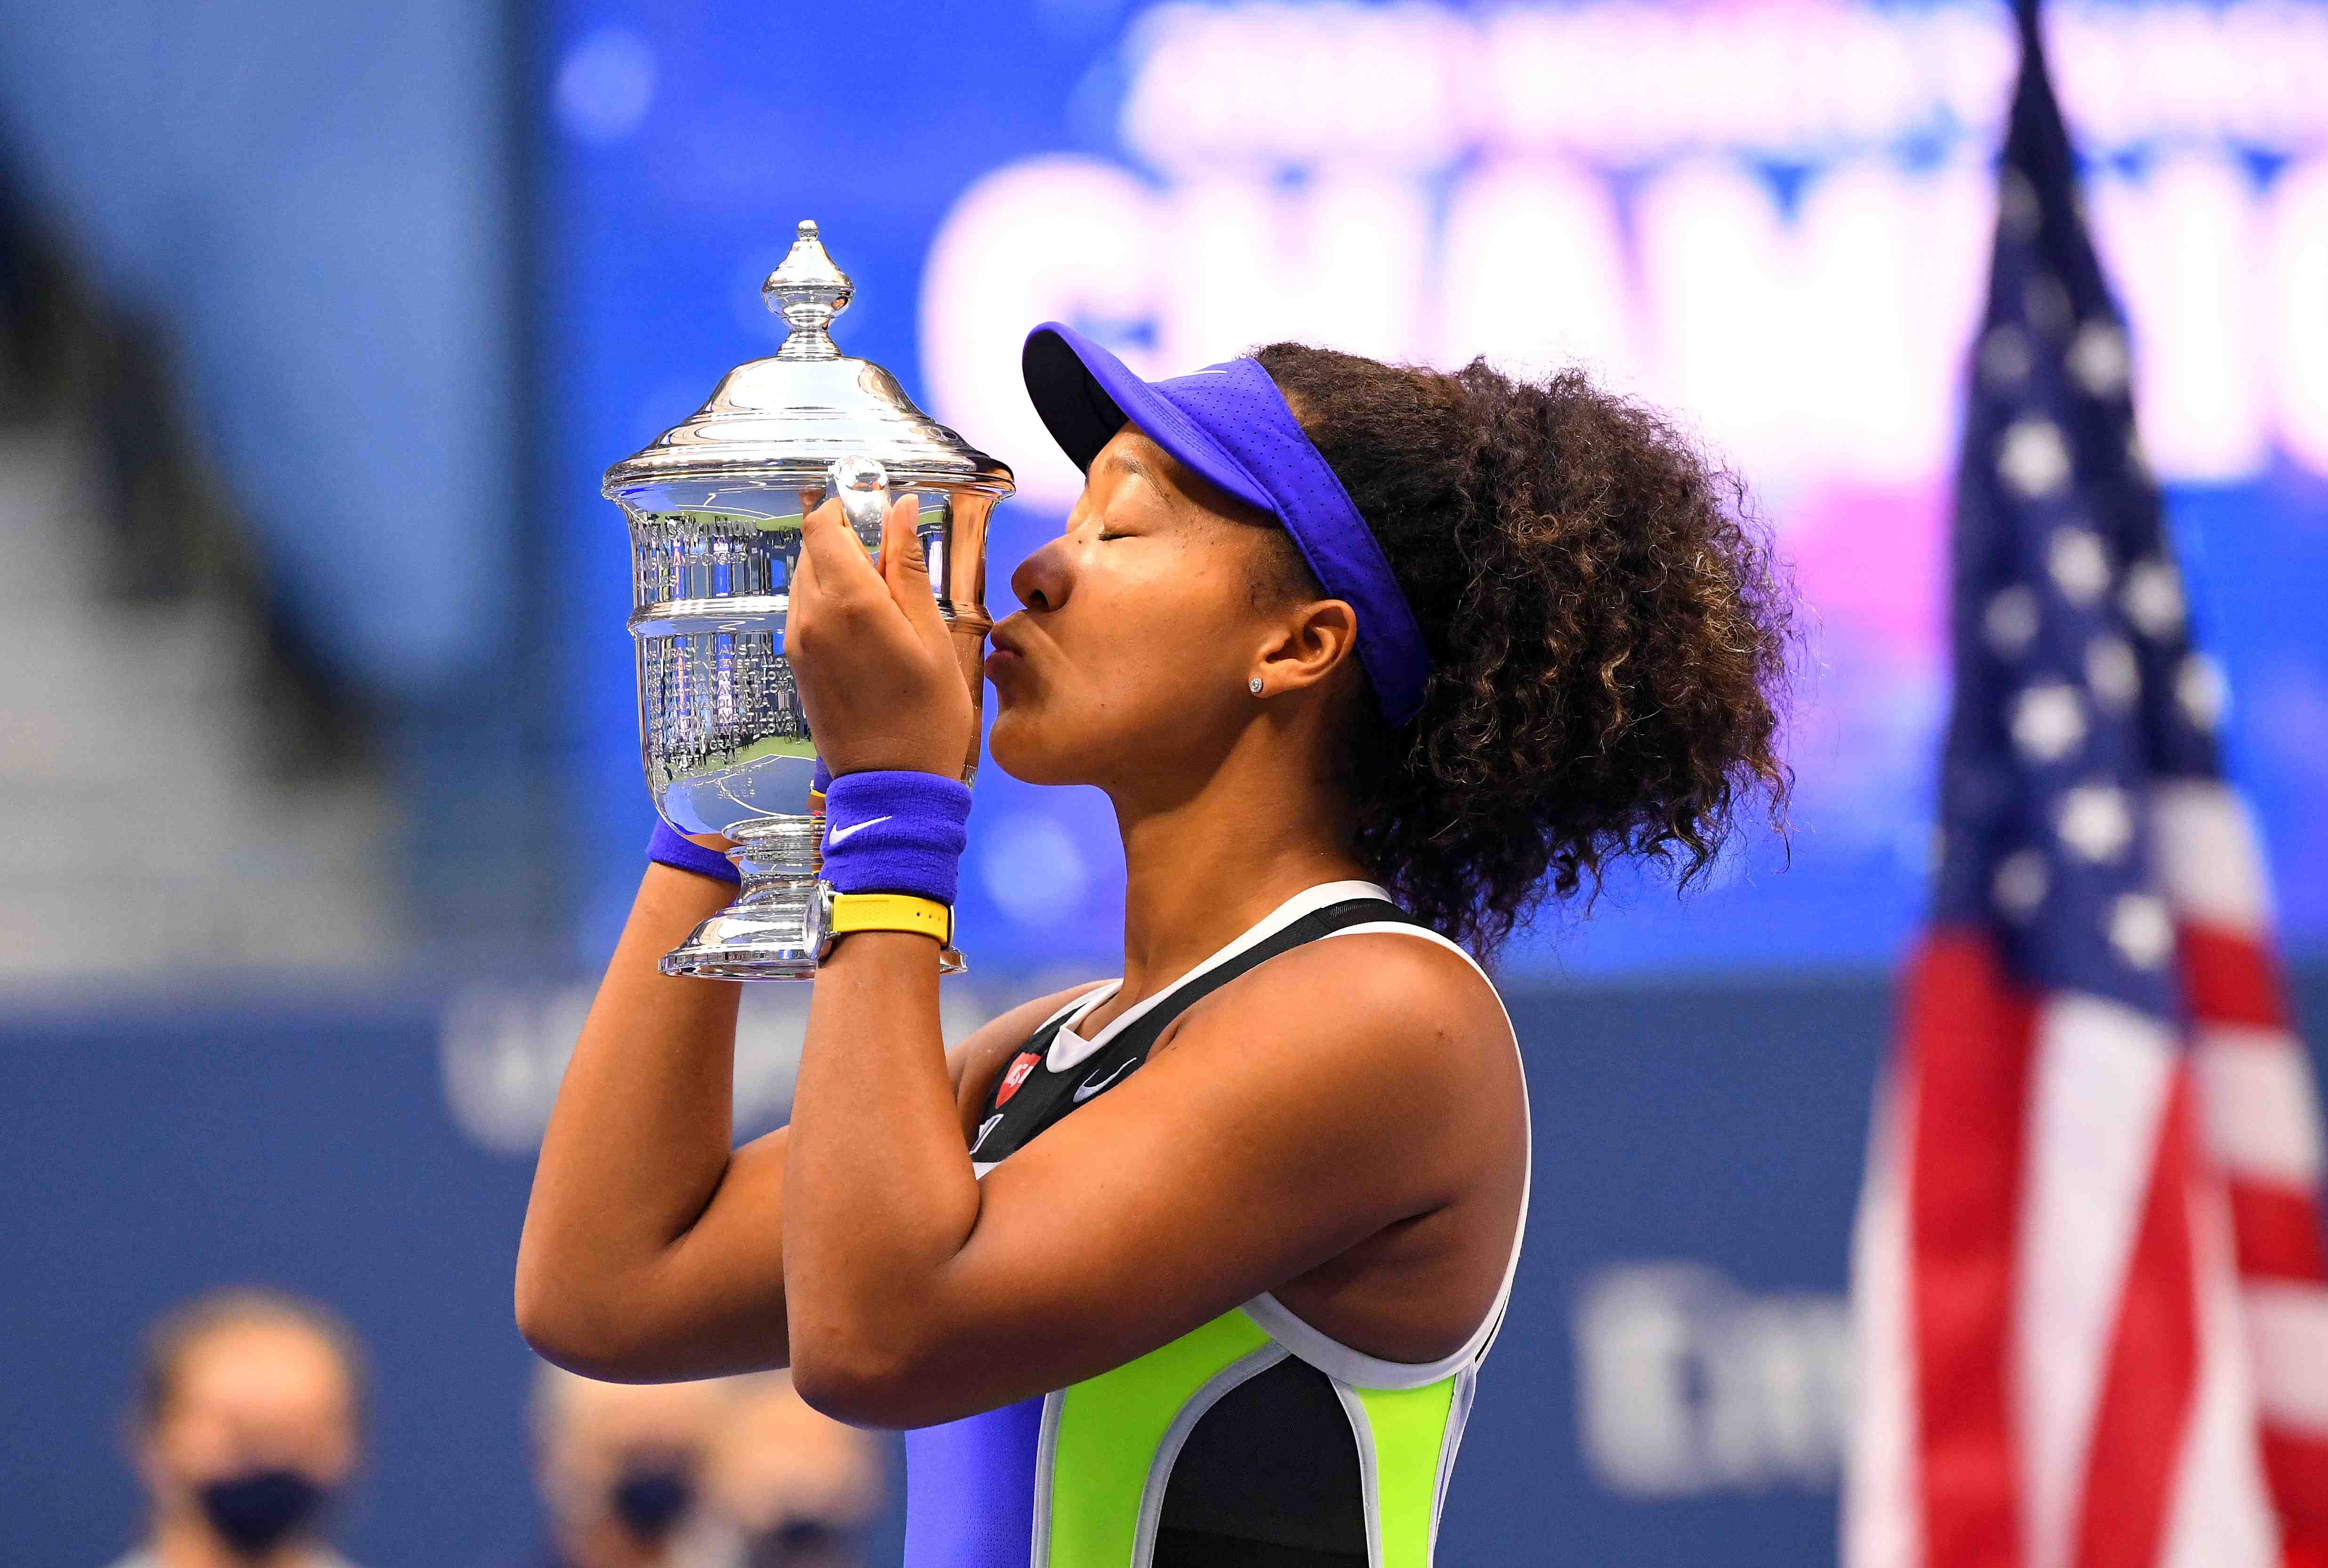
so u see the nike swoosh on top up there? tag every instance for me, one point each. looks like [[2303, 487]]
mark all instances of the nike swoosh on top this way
[[834, 835], [1086, 1089]]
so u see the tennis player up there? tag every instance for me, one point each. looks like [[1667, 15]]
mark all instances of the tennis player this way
[[1197, 1267]]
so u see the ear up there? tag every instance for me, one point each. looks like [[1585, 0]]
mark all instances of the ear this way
[[1307, 645]]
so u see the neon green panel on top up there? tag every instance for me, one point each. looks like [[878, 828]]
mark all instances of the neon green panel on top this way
[[1409, 1427], [1104, 1437], [1109, 1429]]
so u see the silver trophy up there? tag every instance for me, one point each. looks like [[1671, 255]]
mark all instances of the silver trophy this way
[[715, 506]]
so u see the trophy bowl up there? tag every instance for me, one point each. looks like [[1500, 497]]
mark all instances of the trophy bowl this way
[[715, 507]]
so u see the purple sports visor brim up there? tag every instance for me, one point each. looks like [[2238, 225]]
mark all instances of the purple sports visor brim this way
[[1229, 423]]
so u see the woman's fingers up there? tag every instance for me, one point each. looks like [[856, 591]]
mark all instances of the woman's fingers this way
[[878, 680], [801, 591], [841, 570], [906, 568]]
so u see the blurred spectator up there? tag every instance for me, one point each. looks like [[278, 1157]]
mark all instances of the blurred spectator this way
[[246, 1426], [620, 1469], [797, 1487]]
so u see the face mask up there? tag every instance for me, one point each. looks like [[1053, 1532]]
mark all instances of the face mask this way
[[802, 1543], [256, 1509], [650, 1500]]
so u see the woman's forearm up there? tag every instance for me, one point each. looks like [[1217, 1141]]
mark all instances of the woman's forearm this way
[[611, 1274], [881, 1196]]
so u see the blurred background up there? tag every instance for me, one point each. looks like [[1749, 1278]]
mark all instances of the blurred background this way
[[320, 760]]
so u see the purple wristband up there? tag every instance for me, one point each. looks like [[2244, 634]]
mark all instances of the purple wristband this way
[[895, 832], [670, 848]]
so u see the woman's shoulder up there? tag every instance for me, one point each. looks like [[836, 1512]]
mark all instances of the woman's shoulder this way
[[1410, 972], [1378, 1044], [1399, 1000]]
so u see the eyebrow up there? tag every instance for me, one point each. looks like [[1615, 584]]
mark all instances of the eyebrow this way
[[1177, 500], [1124, 460]]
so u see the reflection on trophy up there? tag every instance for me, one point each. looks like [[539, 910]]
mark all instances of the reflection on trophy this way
[[715, 506]]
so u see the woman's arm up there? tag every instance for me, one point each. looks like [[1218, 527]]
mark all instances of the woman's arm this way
[[652, 1249]]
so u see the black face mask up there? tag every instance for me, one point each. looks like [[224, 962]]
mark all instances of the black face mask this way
[[256, 1509], [802, 1543], [651, 1499]]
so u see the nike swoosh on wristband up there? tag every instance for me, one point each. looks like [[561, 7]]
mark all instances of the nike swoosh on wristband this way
[[834, 835], [1086, 1089]]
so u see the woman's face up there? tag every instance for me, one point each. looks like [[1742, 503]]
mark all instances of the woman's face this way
[[1127, 668]]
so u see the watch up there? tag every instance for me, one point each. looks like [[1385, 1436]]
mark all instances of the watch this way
[[835, 914]]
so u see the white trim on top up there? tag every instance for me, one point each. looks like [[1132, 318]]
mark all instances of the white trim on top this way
[[1362, 1432], [1450, 1439], [1069, 1050], [1046, 1452]]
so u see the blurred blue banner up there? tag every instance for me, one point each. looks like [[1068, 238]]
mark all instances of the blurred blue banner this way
[[1787, 250]]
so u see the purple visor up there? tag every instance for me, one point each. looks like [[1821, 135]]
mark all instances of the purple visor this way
[[1229, 423]]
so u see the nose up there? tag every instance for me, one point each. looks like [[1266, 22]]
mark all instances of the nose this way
[[1041, 580]]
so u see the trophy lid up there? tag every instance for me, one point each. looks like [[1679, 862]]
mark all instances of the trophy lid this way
[[784, 420]]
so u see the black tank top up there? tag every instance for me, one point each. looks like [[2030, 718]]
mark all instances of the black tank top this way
[[1268, 1477]]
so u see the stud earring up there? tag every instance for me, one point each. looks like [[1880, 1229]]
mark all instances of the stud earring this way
[[1254, 686]]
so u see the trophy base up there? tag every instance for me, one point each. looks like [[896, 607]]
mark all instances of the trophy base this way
[[773, 929]]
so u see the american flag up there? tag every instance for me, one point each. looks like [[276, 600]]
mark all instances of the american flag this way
[[2087, 1276]]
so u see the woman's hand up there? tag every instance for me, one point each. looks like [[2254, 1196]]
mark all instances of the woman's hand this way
[[874, 659]]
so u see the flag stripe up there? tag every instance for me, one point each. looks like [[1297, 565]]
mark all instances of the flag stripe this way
[[2287, 1334], [2256, 1103], [2298, 1465], [2222, 1509], [2278, 1231], [1879, 1507], [2229, 979], [1969, 1045], [2098, 1101], [2139, 1424], [2208, 856]]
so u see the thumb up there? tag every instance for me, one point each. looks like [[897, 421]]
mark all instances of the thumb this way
[[906, 567]]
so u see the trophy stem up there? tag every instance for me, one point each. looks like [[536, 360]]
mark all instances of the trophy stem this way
[[770, 931]]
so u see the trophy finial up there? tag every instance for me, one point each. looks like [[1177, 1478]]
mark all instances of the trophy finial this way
[[808, 291]]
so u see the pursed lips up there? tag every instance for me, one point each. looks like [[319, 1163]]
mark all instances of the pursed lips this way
[[1018, 634], [1004, 649]]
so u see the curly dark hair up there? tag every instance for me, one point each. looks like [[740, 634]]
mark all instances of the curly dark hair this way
[[1611, 629]]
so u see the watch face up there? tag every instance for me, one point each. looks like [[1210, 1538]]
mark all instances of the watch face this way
[[817, 938]]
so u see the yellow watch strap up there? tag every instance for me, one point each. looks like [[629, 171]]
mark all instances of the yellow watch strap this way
[[890, 912]]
